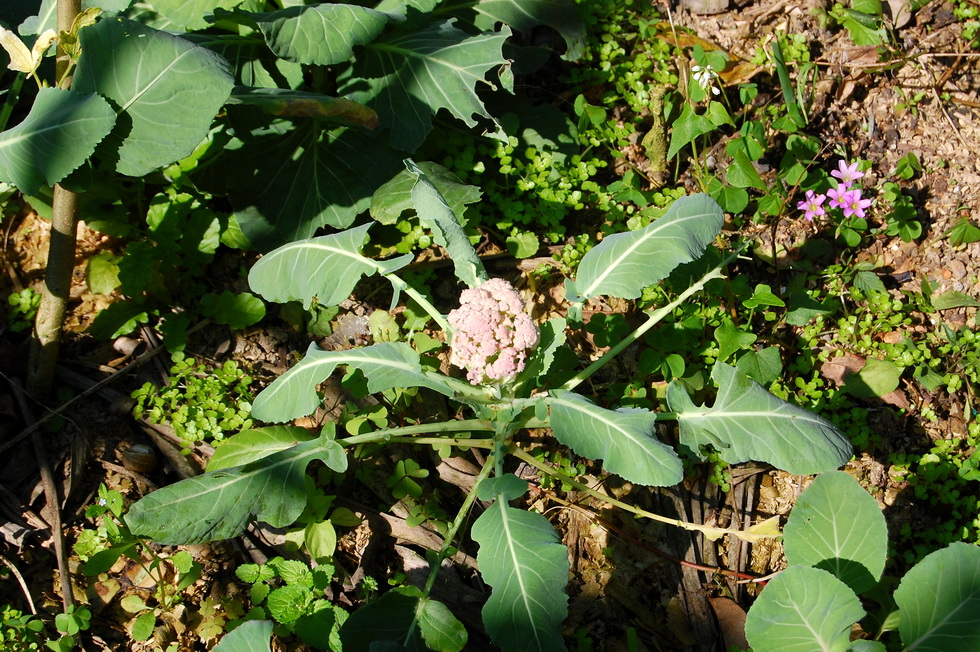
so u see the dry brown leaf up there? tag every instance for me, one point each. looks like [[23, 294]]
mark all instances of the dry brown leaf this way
[[731, 622]]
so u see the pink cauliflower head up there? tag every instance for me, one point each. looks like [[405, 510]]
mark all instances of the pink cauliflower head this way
[[493, 334]]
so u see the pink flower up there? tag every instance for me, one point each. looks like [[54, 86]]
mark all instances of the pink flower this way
[[848, 174], [493, 335], [854, 205], [839, 196], [811, 206]]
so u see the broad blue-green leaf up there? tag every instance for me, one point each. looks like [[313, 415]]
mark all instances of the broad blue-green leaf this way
[[837, 526], [408, 76], [748, 423], [250, 445], [253, 62], [321, 34], [290, 179], [327, 268], [625, 263], [394, 198], [939, 601], [801, 610], [165, 90], [190, 14], [58, 135], [561, 15], [287, 103], [522, 559], [220, 504], [387, 365], [250, 636], [623, 439], [434, 212], [688, 126], [405, 617]]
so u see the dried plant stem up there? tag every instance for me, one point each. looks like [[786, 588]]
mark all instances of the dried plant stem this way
[[53, 502], [20, 580]]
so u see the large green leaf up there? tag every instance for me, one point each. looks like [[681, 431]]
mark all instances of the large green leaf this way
[[748, 423], [220, 504], [190, 14], [801, 610], [522, 559], [406, 617], [386, 365], [322, 34], [939, 601], [250, 636], [287, 103], [408, 76], [253, 62], [165, 89], [821, 531], [561, 15], [623, 439], [290, 179], [58, 135], [327, 268], [394, 198], [434, 212], [250, 445], [625, 263]]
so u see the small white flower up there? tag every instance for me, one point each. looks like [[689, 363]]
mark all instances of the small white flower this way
[[22, 59], [705, 77]]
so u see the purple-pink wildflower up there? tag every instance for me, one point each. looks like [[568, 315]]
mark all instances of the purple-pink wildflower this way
[[854, 205], [493, 335], [847, 174], [811, 206], [839, 196]]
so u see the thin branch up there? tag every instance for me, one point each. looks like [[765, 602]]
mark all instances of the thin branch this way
[[52, 500], [20, 580]]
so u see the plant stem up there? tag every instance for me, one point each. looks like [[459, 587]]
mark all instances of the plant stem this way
[[387, 434], [447, 543], [440, 441], [653, 319], [421, 299], [61, 252], [54, 293], [711, 532], [13, 94]]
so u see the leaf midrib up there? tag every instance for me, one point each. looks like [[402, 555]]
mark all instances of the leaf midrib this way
[[639, 241]]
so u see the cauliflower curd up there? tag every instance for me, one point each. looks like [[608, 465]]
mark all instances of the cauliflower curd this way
[[493, 334]]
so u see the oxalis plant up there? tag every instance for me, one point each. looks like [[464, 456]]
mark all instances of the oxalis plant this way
[[259, 474]]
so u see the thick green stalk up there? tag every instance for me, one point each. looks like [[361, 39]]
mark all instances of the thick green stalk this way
[[387, 434], [50, 319], [422, 300], [447, 543]]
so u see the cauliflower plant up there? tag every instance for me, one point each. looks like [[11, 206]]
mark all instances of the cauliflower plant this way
[[493, 334]]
